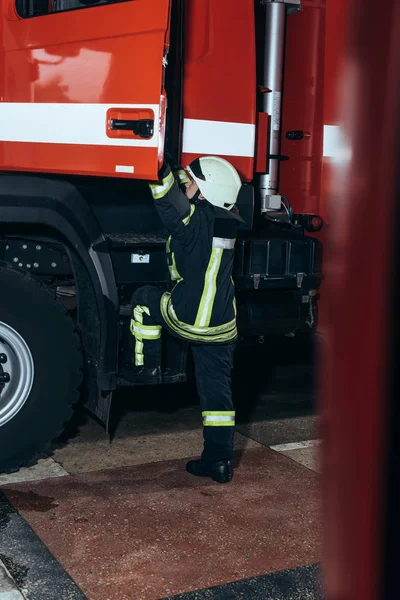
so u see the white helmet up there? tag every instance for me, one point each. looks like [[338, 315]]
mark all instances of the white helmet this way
[[217, 179]]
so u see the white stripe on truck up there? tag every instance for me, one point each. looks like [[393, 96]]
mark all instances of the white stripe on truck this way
[[85, 124], [218, 137], [79, 124]]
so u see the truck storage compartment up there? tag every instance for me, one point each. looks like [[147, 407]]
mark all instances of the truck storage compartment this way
[[281, 260], [274, 312], [139, 258]]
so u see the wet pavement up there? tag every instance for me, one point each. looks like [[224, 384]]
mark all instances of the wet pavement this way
[[124, 521]]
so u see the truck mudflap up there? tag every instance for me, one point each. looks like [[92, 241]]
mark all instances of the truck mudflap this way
[[57, 209]]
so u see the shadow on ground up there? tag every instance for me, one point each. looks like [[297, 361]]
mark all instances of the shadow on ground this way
[[274, 380]]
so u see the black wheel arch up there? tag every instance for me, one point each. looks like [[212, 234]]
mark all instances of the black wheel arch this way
[[58, 208]]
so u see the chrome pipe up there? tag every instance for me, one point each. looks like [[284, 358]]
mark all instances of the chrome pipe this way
[[275, 18]]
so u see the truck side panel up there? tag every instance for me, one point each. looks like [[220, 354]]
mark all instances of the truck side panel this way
[[67, 75], [219, 103], [303, 108]]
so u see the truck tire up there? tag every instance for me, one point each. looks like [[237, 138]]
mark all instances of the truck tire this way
[[40, 367]]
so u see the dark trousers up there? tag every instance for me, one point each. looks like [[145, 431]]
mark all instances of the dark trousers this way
[[213, 366]]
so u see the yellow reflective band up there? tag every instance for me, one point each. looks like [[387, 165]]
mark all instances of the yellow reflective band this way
[[142, 332], [225, 243], [173, 271], [223, 421], [201, 330], [218, 424], [218, 413], [221, 418], [217, 337], [182, 176], [203, 317], [139, 356], [145, 332], [139, 310], [186, 220], [161, 189]]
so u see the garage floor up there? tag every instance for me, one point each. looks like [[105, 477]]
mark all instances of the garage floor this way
[[124, 521]]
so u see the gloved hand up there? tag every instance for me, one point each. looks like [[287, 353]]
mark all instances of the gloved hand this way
[[172, 161], [180, 174]]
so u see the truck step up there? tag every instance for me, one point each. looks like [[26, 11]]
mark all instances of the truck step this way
[[122, 382], [123, 240], [167, 379]]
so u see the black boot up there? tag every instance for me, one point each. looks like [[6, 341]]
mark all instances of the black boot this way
[[220, 471], [143, 375]]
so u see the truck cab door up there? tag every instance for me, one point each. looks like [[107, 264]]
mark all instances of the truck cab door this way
[[219, 92], [83, 86]]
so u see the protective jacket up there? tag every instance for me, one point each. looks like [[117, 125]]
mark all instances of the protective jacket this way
[[200, 253]]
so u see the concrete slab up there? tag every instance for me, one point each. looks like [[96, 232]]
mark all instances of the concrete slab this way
[[140, 438], [296, 445], [308, 457], [150, 531], [281, 431], [303, 583], [134, 444], [45, 468], [305, 453], [8, 587], [34, 571]]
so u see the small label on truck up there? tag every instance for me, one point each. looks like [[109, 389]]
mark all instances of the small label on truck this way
[[140, 258]]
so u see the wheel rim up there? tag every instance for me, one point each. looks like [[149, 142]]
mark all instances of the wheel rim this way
[[18, 364]]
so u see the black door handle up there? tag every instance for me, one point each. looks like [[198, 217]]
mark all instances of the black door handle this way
[[144, 128]]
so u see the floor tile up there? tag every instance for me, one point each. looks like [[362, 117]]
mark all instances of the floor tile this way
[[308, 457], [305, 453], [279, 431], [45, 468], [136, 443], [8, 588], [303, 583], [150, 531], [33, 569]]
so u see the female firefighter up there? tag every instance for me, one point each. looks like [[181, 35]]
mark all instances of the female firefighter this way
[[201, 307]]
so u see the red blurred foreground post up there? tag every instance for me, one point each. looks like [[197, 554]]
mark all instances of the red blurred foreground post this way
[[361, 272]]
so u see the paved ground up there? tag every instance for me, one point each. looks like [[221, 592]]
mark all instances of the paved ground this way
[[124, 521]]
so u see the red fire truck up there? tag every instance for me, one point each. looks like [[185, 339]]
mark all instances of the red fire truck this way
[[93, 93]]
